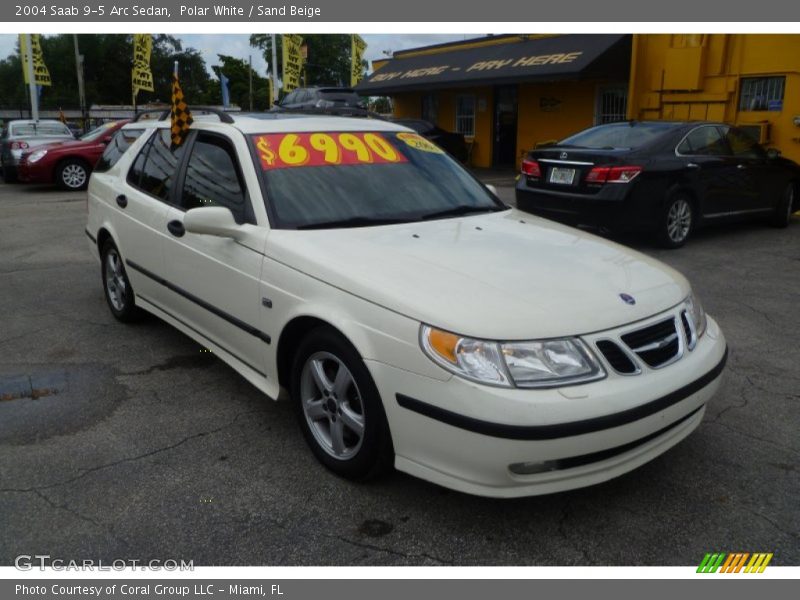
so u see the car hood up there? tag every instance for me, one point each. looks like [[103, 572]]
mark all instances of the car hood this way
[[66, 145], [505, 275]]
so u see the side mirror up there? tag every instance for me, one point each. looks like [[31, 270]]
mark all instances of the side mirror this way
[[212, 220], [491, 188], [773, 153]]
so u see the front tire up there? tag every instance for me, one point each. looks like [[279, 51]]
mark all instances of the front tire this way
[[116, 286], [785, 208], [676, 222], [72, 175], [339, 408]]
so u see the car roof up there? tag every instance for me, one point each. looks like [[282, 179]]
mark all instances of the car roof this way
[[280, 122]]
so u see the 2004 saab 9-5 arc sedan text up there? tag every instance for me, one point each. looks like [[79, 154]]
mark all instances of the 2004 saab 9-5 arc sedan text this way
[[412, 318]]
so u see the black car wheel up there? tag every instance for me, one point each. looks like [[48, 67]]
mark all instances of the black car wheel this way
[[72, 174], [785, 208], [339, 408], [677, 221], [116, 286]]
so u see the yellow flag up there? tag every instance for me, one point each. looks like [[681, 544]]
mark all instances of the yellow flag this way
[[292, 61], [141, 75], [357, 47], [41, 76]]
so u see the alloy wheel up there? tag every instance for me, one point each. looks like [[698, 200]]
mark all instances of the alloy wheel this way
[[332, 405], [73, 176], [679, 220], [115, 280]]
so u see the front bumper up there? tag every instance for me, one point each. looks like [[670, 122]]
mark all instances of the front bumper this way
[[34, 173], [466, 436]]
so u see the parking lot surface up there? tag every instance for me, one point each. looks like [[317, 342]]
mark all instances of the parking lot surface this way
[[131, 442]]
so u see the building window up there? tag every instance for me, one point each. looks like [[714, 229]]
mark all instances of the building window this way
[[612, 104], [762, 93], [465, 115], [430, 105]]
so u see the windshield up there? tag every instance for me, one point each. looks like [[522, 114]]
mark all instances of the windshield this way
[[97, 132], [363, 178], [35, 129], [617, 135]]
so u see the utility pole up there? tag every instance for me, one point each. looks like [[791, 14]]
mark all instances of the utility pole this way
[[250, 77], [81, 90], [274, 71], [31, 80]]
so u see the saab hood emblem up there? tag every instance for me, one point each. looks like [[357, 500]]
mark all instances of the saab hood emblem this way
[[628, 299], [563, 155]]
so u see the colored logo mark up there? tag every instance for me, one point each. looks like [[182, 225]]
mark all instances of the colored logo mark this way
[[735, 562]]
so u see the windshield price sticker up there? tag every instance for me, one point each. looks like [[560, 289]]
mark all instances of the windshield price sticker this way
[[283, 150], [418, 142]]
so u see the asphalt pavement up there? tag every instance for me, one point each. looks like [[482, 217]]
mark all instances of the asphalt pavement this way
[[130, 442]]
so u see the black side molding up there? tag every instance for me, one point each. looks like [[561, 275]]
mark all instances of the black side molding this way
[[90, 236], [561, 430], [202, 303]]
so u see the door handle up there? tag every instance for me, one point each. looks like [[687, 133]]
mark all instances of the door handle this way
[[176, 228], [122, 201], [692, 166]]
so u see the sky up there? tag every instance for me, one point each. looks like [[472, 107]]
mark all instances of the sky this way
[[238, 45]]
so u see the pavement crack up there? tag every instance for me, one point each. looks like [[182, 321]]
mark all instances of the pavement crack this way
[[89, 471], [66, 508], [753, 437], [390, 551]]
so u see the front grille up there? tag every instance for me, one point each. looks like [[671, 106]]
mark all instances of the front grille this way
[[616, 357], [657, 344]]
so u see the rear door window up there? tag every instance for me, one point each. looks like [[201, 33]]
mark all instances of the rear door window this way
[[116, 148], [704, 141], [155, 168]]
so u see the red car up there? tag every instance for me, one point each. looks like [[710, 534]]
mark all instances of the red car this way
[[68, 163]]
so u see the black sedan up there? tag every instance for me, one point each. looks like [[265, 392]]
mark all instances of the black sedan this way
[[452, 143], [658, 176]]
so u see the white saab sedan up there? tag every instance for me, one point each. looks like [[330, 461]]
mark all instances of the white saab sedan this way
[[412, 318]]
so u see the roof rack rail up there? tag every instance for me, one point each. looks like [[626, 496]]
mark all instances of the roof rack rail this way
[[224, 116], [139, 114], [340, 111]]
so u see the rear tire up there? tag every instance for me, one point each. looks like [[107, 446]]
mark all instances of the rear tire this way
[[339, 408], [785, 208], [676, 221], [72, 175], [116, 286]]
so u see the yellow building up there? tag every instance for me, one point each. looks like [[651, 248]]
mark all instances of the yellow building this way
[[508, 93]]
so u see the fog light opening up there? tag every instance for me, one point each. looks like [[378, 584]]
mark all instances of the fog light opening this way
[[532, 468]]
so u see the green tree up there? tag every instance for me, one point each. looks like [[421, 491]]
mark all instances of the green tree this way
[[238, 72], [328, 61]]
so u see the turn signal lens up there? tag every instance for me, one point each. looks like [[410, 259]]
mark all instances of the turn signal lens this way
[[531, 168], [444, 344], [602, 175]]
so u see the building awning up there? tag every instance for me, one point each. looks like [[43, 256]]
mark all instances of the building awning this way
[[542, 59]]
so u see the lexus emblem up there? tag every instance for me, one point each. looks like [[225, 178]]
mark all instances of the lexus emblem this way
[[563, 155], [628, 299]]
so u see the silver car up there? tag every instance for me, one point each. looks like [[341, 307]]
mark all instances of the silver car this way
[[24, 134]]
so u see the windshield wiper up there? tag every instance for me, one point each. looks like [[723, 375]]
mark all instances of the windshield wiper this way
[[457, 211], [352, 222]]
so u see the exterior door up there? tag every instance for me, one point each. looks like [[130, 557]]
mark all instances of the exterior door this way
[[721, 185], [505, 126], [763, 179], [214, 281]]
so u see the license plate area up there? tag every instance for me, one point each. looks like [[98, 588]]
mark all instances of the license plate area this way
[[562, 176]]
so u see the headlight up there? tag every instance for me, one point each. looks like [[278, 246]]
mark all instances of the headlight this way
[[534, 364], [696, 314], [36, 156]]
